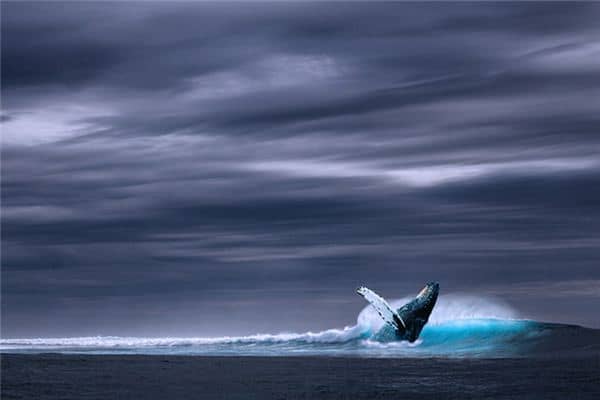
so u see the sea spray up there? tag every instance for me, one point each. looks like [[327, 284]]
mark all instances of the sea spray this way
[[460, 326]]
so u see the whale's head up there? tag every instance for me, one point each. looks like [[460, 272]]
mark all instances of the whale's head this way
[[428, 296]]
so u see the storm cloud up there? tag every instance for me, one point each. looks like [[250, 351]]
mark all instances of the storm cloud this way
[[198, 169]]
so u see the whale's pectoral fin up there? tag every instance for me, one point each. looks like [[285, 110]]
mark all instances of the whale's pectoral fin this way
[[382, 307]]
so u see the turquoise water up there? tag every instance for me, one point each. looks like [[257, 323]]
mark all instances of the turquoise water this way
[[459, 327], [465, 337]]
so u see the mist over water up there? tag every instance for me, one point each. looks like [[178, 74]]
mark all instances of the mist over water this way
[[460, 326]]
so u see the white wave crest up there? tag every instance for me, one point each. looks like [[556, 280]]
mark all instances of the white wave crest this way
[[327, 336]]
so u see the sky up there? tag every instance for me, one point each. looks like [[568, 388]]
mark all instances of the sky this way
[[196, 169]]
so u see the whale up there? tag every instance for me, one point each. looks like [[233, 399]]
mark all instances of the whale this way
[[408, 321]]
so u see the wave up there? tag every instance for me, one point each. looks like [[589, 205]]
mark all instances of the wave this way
[[328, 336], [460, 326]]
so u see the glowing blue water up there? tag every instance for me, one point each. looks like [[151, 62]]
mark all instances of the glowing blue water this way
[[460, 327]]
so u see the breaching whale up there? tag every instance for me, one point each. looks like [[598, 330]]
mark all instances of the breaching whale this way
[[409, 320]]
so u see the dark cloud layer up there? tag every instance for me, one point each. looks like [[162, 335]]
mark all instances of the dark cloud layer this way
[[198, 169]]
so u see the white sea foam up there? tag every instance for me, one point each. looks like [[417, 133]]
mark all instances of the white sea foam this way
[[327, 336], [449, 308]]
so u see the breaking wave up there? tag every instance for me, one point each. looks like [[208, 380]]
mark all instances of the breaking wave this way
[[460, 326]]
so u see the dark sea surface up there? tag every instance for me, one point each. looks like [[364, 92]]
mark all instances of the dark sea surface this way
[[60, 376]]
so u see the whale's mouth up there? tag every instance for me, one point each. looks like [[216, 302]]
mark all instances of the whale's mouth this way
[[460, 326]]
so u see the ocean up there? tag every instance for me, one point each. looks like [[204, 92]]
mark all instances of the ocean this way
[[471, 348]]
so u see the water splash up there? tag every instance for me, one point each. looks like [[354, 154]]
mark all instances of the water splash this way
[[460, 326], [449, 308]]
